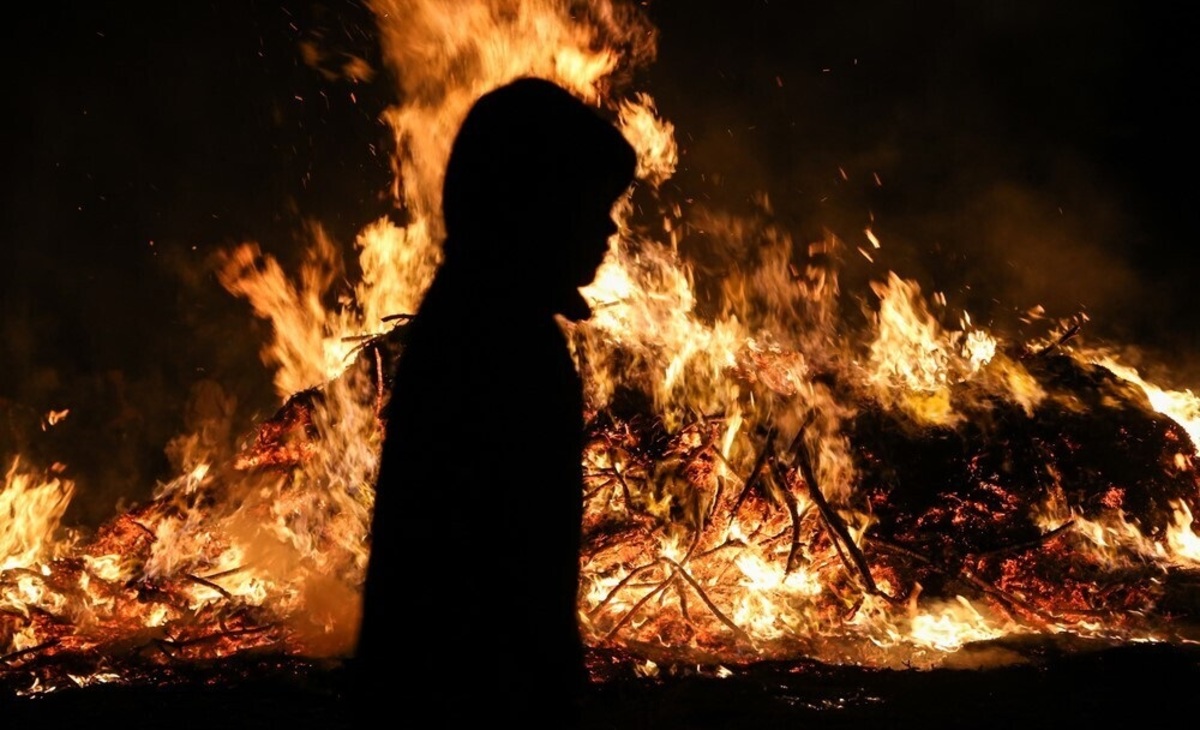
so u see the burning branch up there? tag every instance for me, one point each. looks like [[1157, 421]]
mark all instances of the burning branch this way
[[14, 656], [790, 502], [752, 478], [617, 588], [1007, 599], [681, 571], [176, 647], [1030, 544], [678, 571], [1062, 339], [209, 584], [608, 637], [833, 522]]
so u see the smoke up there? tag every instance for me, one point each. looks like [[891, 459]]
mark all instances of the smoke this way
[[1002, 154]]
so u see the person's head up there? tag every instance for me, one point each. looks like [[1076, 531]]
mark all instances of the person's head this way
[[530, 185]]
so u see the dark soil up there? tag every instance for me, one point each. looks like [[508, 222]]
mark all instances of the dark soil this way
[[1099, 688]]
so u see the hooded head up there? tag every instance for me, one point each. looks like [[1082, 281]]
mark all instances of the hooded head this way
[[530, 185]]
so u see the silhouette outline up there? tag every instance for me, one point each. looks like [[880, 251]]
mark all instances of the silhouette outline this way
[[473, 577]]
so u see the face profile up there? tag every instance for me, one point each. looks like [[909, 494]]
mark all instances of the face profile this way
[[530, 185]]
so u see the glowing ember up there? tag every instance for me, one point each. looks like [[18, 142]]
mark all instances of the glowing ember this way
[[765, 479]]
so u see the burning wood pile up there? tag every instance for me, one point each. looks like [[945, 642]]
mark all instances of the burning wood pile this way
[[1062, 518], [153, 591], [882, 502], [1070, 517]]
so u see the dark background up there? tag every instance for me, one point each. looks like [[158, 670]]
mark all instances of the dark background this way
[[1029, 153]]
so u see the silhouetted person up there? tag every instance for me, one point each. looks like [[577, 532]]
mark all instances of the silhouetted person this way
[[470, 601]]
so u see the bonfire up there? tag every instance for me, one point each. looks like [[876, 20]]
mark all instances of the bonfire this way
[[768, 475]]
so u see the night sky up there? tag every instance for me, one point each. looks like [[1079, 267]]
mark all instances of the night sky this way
[[1029, 153]]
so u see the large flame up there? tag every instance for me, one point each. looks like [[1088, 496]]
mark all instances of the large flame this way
[[726, 511]]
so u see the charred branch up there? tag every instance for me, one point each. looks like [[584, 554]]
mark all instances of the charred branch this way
[[678, 573], [790, 502], [1030, 544], [833, 522], [752, 478], [21, 654], [1010, 602], [627, 580], [209, 584], [145, 529], [1065, 337], [657, 590], [225, 573], [682, 572]]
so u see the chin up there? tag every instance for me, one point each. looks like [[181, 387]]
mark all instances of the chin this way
[[572, 306]]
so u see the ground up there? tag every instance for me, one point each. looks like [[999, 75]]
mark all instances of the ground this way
[[1110, 687]]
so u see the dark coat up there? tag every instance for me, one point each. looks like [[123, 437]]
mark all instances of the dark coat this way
[[479, 505]]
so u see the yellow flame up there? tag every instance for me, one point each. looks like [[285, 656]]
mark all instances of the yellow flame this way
[[1182, 540], [34, 506], [912, 354], [947, 627], [1183, 406]]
